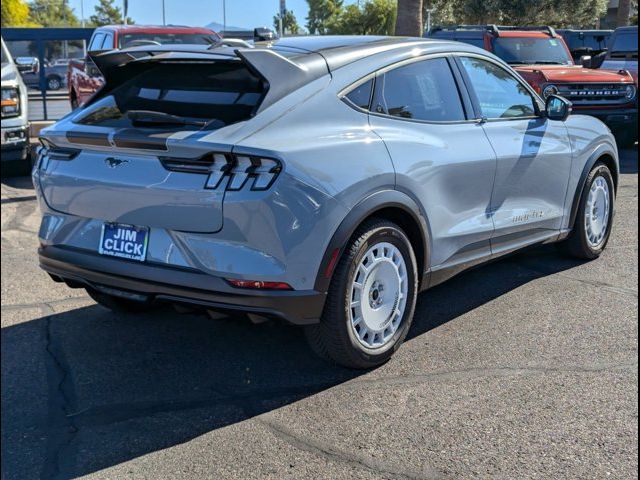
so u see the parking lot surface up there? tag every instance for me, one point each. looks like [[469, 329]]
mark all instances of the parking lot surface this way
[[525, 368]]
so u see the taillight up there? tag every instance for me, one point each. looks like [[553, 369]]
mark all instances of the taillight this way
[[239, 170]]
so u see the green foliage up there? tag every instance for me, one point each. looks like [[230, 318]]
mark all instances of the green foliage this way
[[558, 13], [48, 13], [15, 13], [289, 23], [107, 14], [322, 13], [372, 17]]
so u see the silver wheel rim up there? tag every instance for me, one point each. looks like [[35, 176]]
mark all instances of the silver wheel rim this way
[[597, 212], [378, 295]]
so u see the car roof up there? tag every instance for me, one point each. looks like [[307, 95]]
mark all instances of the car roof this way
[[339, 51], [155, 29]]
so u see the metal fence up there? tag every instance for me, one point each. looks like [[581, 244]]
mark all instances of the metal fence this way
[[47, 51]]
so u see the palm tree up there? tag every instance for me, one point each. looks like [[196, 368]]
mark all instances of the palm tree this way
[[409, 20], [624, 12]]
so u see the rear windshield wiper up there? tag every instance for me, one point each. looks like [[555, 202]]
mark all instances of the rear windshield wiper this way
[[550, 63], [160, 118]]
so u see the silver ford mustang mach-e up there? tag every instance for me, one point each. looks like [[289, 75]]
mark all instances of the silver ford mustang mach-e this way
[[321, 180]]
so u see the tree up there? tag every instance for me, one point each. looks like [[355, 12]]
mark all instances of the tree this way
[[56, 13], [373, 17], [107, 14], [15, 13], [321, 14], [409, 19], [624, 13], [289, 23]]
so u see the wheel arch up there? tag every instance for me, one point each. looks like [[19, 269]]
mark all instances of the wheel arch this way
[[391, 205], [601, 154]]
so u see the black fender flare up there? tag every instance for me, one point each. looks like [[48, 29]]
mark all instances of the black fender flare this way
[[600, 151], [367, 207]]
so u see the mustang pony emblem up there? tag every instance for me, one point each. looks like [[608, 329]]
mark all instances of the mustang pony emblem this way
[[114, 162]]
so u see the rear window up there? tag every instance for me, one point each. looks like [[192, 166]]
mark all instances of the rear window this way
[[625, 43], [223, 93], [531, 51], [136, 39]]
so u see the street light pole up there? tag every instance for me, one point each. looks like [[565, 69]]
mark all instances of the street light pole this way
[[224, 15], [164, 18]]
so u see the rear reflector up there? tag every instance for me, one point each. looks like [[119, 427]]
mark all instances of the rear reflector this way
[[259, 285]]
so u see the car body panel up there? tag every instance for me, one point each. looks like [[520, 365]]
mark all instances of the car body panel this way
[[339, 164], [15, 129]]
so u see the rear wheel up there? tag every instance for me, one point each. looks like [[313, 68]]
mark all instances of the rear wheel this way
[[371, 300], [118, 304], [592, 227]]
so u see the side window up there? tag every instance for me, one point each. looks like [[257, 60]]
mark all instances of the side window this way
[[423, 90], [499, 93], [108, 42], [96, 42], [361, 95]]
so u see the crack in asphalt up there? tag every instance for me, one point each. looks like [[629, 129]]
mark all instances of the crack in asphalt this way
[[332, 453], [61, 429]]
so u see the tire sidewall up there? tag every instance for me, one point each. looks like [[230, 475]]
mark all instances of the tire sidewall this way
[[598, 171], [397, 238]]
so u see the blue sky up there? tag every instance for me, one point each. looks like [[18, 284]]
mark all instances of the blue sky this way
[[240, 13]]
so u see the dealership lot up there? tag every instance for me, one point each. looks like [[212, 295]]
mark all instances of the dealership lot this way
[[526, 368]]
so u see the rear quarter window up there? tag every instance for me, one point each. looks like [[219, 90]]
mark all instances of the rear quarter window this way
[[361, 95]]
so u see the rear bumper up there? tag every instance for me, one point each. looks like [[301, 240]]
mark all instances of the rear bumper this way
[[179, 285]]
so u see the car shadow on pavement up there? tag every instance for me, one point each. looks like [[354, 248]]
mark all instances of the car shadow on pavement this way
[[87, 389]]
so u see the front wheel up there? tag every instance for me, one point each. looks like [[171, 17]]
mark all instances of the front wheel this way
[[594, 220], [371, 300]]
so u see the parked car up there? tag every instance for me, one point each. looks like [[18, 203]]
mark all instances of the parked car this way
[[321, 180], [623, 51], [541, 56], [55, 76], [15, 124], [587, 43], [84, 79]]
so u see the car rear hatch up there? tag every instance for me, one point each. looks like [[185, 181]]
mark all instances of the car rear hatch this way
[[132, 155]]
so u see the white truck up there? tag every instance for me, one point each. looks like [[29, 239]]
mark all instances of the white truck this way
[[15, 124]]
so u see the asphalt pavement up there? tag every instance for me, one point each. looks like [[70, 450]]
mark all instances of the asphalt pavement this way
[[524, 368]]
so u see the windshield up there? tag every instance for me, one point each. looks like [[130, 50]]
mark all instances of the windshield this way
[[625, 42], [530, 51], [134, 39]]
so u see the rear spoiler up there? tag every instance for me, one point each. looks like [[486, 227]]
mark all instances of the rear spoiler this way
[[281, 75]]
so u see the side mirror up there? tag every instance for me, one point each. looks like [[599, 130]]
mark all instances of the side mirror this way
[[585, 61], [558, 108], [264, 35]]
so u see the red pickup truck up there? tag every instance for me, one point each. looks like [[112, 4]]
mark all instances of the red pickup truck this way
[[84, 79], [543, 59]]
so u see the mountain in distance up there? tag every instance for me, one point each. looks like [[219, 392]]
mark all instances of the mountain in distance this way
[[218, 27]]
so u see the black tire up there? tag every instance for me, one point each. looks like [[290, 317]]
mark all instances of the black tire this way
[[577, 244], [333, 338], [118, 304], [54, 82]]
